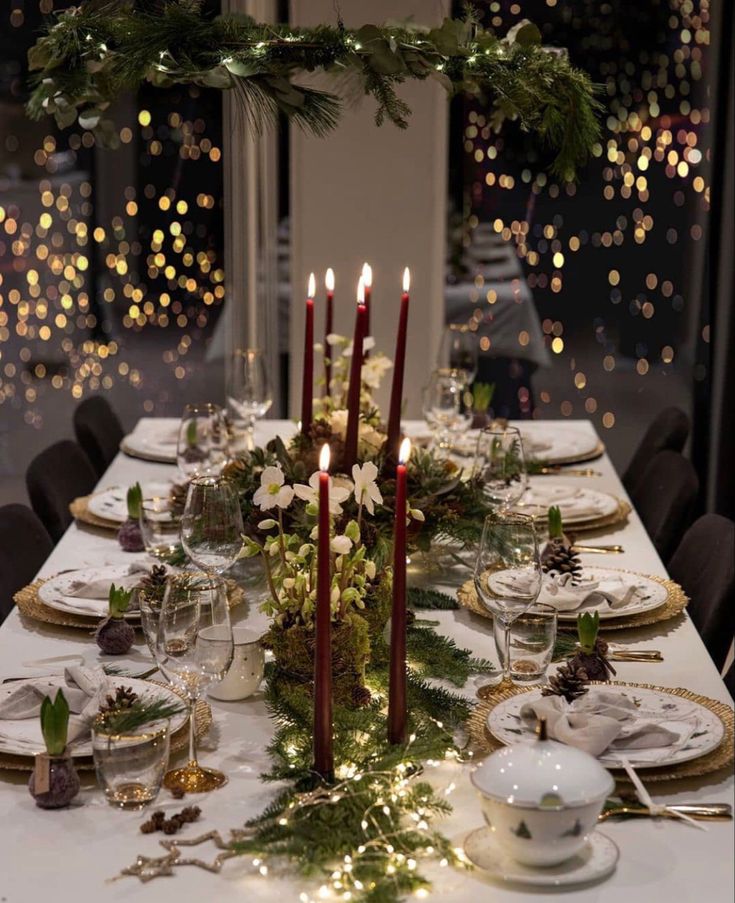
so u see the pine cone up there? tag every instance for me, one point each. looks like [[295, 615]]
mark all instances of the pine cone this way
[[153, 585], [177, 498], [361, 696], [569, 681], [123, 699], [558, 558]]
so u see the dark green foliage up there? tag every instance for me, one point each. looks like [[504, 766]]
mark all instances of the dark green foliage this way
[[55, 723], [419, 597], [95, 52], [130, 719], [432, 655]]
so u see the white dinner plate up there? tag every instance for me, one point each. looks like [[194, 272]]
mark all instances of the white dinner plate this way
[[578, 504], [55, 592], [153, 439], [33, 740], [558, 443], [700, 730], [111, 503]]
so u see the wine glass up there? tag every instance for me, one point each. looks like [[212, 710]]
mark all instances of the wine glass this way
[[508, 572], [500, 464], [194, 648], [459, 350], [202, 447], [250, 394], [442, 405], [211, 526]]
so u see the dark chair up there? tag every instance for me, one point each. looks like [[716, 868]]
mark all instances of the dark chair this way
[[669, 430], [54, 478], [98, 431], [730, 680], [704, 565], [665, 500], [24, 546]]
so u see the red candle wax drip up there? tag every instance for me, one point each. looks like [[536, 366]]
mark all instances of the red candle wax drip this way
[[397, 684], [323, 755], [353, 395]]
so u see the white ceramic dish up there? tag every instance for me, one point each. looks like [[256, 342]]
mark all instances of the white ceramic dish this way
[[557, 444], [111, 503], [154, 439], [55, 592], [597, 860], [701, 730], [578, 504]]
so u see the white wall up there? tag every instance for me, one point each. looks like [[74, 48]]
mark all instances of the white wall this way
[[375, 194]]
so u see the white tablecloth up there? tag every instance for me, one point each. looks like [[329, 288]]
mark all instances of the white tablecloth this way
[[69, 855]]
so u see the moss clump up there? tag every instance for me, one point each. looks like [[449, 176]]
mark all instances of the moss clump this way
[[378, 604]]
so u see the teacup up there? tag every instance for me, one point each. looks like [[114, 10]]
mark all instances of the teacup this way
[[541, 800], [246, 671]]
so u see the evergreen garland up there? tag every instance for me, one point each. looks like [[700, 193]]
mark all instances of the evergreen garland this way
[[420, 597], [98, 50]]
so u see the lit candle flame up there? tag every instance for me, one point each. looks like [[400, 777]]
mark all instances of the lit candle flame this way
[[404, 453], [360, 291], [329, 280], [324, 458], [312, 286], [406, 280], [367, 275]]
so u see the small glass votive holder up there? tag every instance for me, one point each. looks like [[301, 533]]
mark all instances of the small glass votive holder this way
[[159, 528], [150, 614], [532, 639], [130, 767]]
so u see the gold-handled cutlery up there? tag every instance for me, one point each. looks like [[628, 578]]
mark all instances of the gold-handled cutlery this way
[[567, 472], [635, 655], [699, 811], [598, 550]]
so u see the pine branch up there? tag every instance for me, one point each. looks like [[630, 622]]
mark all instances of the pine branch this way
[[419, 597]]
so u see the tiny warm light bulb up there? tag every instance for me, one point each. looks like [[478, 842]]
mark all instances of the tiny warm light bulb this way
[[404, 453], [360, 290], [324, 458], [406, 280], [367, 275], [312, 286], [329, 280]]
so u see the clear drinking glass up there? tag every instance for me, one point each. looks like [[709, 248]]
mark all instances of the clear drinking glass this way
[[130, 767], [500, 463], [531, 646], [203, 441], [459, 350], [211, 526], [158, 527], [194, 648], [150, 614], [508, 572], [443, 404], [249, 395]]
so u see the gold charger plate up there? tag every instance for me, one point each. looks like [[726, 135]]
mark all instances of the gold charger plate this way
[[31, 606], [597, 452], [80, 511], [179, 739], [674, 605], [720, 757]]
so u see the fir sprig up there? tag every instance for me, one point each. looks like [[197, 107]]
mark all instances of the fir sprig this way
[[98, 50], [136, 716], [419, 597]]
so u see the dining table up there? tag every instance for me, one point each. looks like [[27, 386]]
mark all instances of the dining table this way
[[72, 855]]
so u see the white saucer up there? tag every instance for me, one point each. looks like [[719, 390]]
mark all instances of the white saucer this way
[[596, 861]]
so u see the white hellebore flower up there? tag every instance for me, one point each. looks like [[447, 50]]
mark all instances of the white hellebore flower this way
[[310, 493], [272, 493], [340, 545], [366, 488], [368, 343], [374, 369]]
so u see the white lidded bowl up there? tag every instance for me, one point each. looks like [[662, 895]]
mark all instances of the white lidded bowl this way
[[541, 800]]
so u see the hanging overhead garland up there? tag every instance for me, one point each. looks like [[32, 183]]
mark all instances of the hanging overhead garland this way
[[96, 51]]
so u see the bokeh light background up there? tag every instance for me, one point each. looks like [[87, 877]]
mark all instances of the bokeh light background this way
[[118, 287]]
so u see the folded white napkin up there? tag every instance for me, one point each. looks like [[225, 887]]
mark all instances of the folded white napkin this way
[[598, 721], [100, 588], [20, 705], [573, 503], [533, 446], [558, 590]]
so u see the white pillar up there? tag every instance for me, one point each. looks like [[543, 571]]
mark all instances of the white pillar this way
[[375, 194]]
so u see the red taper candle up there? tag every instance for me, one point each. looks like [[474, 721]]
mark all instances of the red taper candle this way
[[307, 398], [367, 281], [353, 394], [323, 755], [397, 709], [328, 328], [399, 364]]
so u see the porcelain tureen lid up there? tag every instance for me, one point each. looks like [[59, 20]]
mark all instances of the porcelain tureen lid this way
[[542, 774]]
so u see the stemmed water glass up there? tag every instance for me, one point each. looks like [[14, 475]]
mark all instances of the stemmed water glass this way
[[211, 526], [250, 395], [501, 466], [443, 405], [459, 350], [508, 572], [194, 648], [202, 447]]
